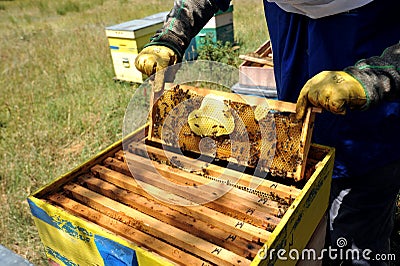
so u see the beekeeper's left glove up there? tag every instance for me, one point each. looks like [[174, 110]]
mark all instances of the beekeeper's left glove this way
[[334, 91]]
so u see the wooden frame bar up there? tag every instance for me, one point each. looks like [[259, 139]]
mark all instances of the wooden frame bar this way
[[124, 230], [164, 213], [233, 225], [245, 210], [154, 227], [226, 175]]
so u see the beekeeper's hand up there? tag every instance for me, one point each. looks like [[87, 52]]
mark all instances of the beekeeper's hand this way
[[332, 90], [154, 58]]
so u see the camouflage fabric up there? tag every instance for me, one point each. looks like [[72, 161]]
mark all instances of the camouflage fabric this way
[[183, 22], [380, 75]]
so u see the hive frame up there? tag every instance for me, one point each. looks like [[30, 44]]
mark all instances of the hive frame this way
[[279, 106]]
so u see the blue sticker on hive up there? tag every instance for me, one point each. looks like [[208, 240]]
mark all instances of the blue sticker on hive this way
[[115, 254], [41, 214], [75, 231], [60, 257]]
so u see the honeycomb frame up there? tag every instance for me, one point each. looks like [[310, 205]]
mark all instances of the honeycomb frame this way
[[277, 143]]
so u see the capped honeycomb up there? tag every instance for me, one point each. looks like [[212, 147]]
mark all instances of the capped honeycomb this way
[[268, 141]]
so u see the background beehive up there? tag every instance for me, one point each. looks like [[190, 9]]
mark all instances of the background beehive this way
[[277, 143]]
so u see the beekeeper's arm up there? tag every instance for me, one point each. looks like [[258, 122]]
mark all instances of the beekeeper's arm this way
[[360, 86], [183, 22]]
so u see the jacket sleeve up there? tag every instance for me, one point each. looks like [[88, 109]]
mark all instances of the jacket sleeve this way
[[379, 75], [184, 21]]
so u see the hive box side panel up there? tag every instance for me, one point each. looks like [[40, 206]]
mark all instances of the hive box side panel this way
[[317, 243], [302, 218], [221, 19], [222, 33], [124, 67], [251, 74], [126, 40], [257, 76], [219, 28], [123, 54], [123, 45], [70, 240]]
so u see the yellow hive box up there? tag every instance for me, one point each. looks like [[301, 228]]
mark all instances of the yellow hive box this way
[[126, 40], [77, 234]]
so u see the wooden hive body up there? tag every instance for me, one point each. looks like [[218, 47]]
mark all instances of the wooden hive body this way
[[101, 211], [257, 72]]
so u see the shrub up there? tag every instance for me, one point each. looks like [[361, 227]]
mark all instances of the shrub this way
[[223, 52]]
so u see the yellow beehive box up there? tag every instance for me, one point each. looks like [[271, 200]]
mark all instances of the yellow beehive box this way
[[126, 40], [94, 215]]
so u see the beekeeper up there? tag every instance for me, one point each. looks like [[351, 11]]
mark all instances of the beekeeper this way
[[312, 41]]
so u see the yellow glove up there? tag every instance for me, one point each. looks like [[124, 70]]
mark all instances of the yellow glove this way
[[154, 60], [332, 90]]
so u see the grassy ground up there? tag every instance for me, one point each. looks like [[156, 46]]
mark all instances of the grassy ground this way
[[59, 104]]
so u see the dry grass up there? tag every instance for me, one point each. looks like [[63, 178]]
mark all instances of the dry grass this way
[[59, 105]]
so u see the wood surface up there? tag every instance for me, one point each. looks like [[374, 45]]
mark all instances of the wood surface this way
[[260, 186], [260, 60], [170, 252], [228, 223], [154, 227], [176, 181]]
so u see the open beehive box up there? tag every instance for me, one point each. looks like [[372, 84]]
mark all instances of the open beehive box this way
[[145, 201]]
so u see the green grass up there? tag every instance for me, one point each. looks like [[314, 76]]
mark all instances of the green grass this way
[[59, 105]]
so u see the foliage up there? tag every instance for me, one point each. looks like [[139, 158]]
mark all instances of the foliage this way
[[223, 52]]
